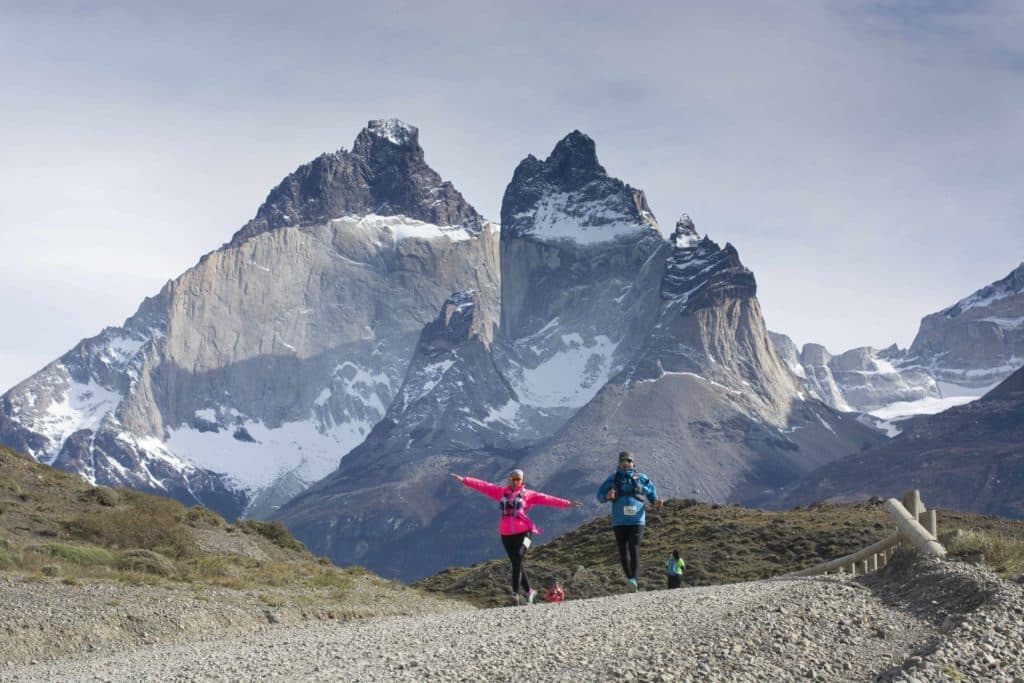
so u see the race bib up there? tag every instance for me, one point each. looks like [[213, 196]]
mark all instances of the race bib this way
[[630, 510], [526, 541]]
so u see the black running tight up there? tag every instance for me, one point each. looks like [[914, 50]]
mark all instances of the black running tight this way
[[628, 539], [516, 551]]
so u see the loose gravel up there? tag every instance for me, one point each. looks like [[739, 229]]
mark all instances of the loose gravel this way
[[917, 620]]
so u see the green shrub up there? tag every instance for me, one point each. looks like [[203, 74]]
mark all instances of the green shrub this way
[[50, 570], [135, 527], [276, 532], [204, 518], [85, 555], [7, 560], [146, 562], [332, 578], [103, 495]]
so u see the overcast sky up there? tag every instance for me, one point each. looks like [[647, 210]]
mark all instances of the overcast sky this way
[[865, 158]]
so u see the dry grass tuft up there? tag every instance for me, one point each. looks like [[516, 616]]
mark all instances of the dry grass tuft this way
[[1003, 554]]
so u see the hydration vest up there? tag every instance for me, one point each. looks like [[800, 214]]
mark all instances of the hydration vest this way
[[515, 506], [512, 506], [628, 485]]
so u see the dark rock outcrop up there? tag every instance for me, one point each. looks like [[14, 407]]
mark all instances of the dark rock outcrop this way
[[384, 174]]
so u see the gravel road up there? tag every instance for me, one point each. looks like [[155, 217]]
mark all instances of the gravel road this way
[[922, 620]]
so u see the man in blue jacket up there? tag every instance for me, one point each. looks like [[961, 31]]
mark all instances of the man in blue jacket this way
[[628, 491]]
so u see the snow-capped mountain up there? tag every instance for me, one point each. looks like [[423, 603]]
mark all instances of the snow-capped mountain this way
[[251, 375], [863, 379], [958, 354], [611, 337], [968, 457], [977, 342], [577, 255]]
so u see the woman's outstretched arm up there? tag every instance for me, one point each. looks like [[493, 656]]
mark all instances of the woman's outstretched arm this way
[[488, 489]]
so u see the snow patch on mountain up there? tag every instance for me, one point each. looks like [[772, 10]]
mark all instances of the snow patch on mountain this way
[[304, 448], [569, 377], [400, 228], [371, 389], [949, 390], [891, 415], [507, 414], [967, 375], [82, 406], [393, 130], [423, 382], [1005, 323], [563, 216]]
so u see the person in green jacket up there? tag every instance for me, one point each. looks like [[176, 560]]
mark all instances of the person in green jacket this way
[[675, 567]]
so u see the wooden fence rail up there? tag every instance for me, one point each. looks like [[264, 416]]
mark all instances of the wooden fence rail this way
[[910, 530]]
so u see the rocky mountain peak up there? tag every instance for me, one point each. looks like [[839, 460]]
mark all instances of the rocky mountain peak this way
[[574, 160], [700, 274], [1010, 285], [384, 174], [461, 319], [975, 342], [570, 196], [391, 131], [685, 235]]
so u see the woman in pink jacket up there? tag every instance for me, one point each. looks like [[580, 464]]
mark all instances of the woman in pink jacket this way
[[515, 527]]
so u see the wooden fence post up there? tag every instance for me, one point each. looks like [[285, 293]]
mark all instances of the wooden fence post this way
[[912, 501], [915, 527], [932, 524], [911, 530]]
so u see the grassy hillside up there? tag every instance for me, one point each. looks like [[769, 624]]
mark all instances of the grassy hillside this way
[[722, 544], [55, 526]]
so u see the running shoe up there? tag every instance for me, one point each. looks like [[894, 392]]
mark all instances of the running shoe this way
[[530, 596], [633, 588], [514, 600]]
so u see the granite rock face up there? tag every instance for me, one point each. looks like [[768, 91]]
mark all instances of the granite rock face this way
[[858, 380], [979, 340], [249, 376], [580, 256]]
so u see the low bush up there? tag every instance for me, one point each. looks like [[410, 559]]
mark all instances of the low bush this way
[[134, 527], [101, 495], [85, 555], [276, 532], [204, 518], [146, 562]]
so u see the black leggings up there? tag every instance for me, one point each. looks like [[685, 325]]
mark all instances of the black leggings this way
[[628, 539], [516, 552]]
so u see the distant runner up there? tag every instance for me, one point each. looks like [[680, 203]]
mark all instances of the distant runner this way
[[628, 491], [515, 527], [674, 569], [556, 593]]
